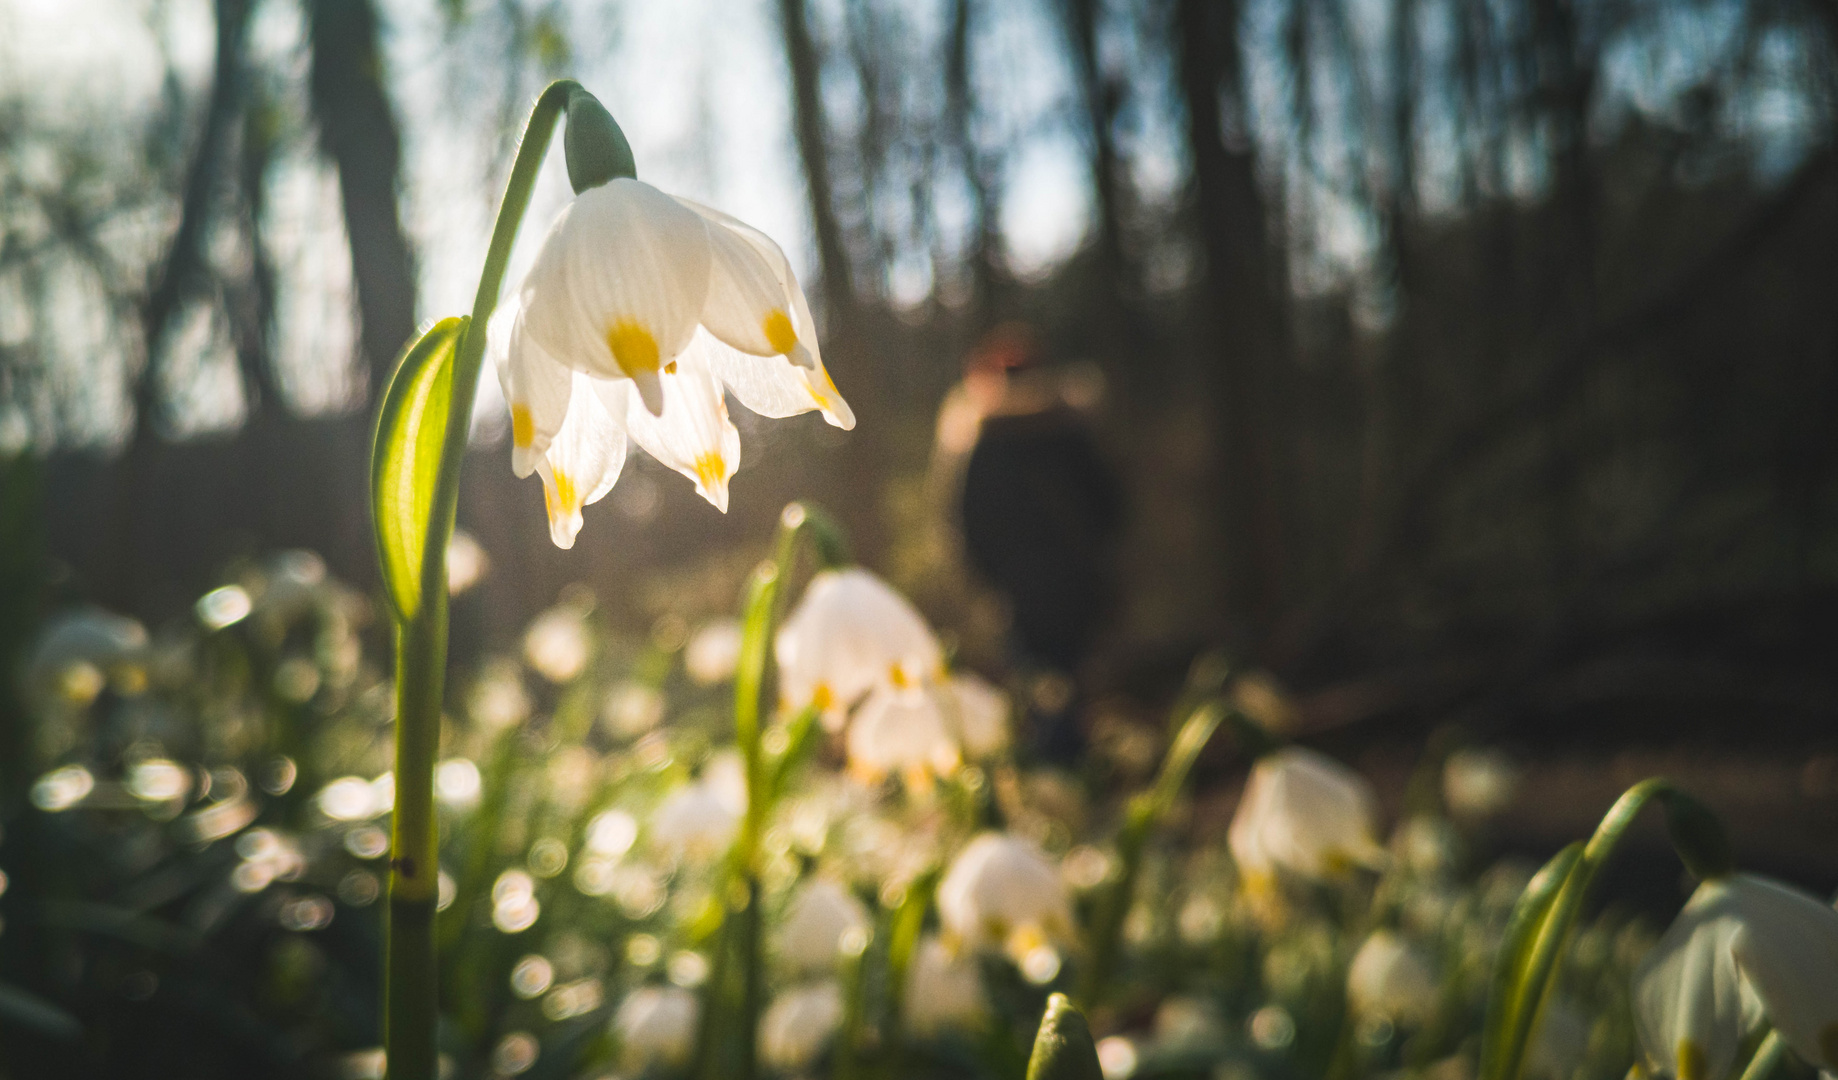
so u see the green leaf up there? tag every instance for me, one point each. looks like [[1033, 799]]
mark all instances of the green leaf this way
[[27, 1010], [405, 459], [1507, 997], [1063, 1049]]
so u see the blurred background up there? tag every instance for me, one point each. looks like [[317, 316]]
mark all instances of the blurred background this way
[[1465, 364]]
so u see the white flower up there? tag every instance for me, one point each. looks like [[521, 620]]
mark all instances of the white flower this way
[[901, 731], [1305, 813], [821, 914], [1479, 783], [699, 818], [849, 633], [557, 644], [657, 1024], [943, 989], [978, 713], [1390, 978], [799, 1023], [714, 651], [78, 648], [1744, 949], [1001, 890], [639, 312]]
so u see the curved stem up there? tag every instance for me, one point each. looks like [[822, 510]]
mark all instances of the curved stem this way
[[1696, 837], [1767, 1056], [410, 1008], [1145, 811]]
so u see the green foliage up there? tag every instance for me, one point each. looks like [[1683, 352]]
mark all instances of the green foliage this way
[[405, 460]]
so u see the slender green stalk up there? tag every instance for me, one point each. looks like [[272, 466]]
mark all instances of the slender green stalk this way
[[1145, 812], [760, 616], [905, 926], [410, 1008], [1767, 1058], [1513, 1015]]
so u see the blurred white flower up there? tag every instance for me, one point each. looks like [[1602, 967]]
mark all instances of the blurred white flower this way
[[1744, 949], [1185, 1021], [498, 700], [633, 708], [638, 313], [850, 633], [943, 989], [467, 563], [714, 651], [656, 1024], [514, 907], [799, 1023], [1479, 783], [1304, 813], [820, 915], [63, 788], [557, 644], [901, 731], [1002, 891], [1117, 1057], [1560, 1045], [1390, 978], [350, 798], [76, 650], [699, 819], [978, 714], [158, 780]]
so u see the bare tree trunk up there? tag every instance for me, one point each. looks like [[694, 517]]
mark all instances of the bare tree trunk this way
[[1242, 314], [982, 258], [813, 150], [358, 131], [1102, 95]]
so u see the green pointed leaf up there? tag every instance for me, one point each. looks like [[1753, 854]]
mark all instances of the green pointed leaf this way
[[1063, 1049], [405, 459]]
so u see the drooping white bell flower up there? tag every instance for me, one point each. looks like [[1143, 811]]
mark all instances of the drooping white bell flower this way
[[978, 714], [943, 989], [821, 917], [1744, 949], [1304, 813], [656, 1024], [1002, 891], [849, 633], [901, 731], [639, 312], [1390, 978], [799, 1023]]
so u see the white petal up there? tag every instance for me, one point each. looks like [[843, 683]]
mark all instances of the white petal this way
[[900, 731], [534, 383], [850, 633], [1688, 995], [1787, 949], [773, 386], [693, 434], [584, 459], [619, 283]]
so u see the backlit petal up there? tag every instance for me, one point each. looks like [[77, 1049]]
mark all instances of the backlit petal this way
[[535, 384], [773, 386], [1787, 949], [585, 457], [693, 435], [619, 283], [1689, 1003]]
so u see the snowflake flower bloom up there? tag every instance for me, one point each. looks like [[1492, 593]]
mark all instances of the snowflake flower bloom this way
[[1001, 890], [1744, 949], [1304, 813], [657, 1024], [850, 633], [943, 989], [818, 919], [798, 1023], [902, 731], [640, 312], [1390, 978]]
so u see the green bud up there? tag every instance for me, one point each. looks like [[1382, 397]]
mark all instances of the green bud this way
[[595, 148], [1698, 837], [1063, 1049]]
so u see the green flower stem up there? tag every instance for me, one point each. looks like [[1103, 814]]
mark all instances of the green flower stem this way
[[1146, 810], [760, 616], [1767, 1057], [1533, 957], [410, 1010], [904, 928]]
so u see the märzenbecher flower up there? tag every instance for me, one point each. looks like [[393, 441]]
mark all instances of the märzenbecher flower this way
[[641, 312]]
